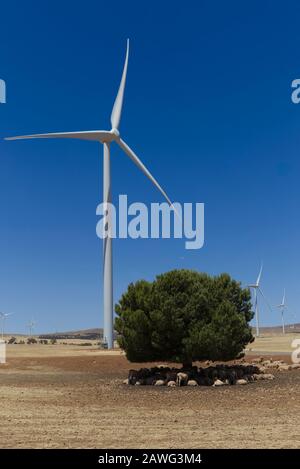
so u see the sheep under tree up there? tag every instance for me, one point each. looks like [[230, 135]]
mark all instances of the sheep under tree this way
[[184, 316]]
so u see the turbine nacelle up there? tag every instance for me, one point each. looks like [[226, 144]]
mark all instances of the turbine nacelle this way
[[108, 136], [115, 132]]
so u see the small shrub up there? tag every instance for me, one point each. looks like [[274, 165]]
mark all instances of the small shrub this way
[[31, 340]]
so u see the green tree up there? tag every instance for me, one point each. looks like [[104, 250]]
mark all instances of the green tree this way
[[184, 316]]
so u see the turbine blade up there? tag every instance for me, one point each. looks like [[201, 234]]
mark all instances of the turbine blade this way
[[143, 168], [268, 304], [96, 135], [283, 299], [259, 275], [117, 109]]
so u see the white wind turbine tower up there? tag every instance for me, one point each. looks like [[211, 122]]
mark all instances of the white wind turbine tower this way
[[106, 137], [256, 289], [31, 326], [282, 307], [3, 317], [294, 321]]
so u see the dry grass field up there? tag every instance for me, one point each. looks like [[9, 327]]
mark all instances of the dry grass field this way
[[270, 343], [68, 396]]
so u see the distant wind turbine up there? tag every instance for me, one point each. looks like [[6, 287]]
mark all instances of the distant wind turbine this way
[[282, 307], [3, 317], [292, 326], [106, 137], [256, 289], [31, 326]]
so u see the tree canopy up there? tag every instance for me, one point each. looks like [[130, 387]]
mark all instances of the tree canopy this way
[[183, 316]]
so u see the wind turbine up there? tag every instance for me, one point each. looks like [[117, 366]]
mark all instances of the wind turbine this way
[[282, 307], [106, 137], [292, 326], [256, 289], [31, 325], [3, 317]]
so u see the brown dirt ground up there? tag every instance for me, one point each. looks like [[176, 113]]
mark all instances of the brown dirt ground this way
[[80, 402]]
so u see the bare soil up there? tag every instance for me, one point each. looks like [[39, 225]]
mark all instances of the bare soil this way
[[81, 402]]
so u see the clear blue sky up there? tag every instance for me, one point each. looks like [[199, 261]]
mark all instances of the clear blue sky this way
[[208, 110]]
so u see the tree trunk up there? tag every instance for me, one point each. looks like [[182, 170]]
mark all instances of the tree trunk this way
[[187, 364]]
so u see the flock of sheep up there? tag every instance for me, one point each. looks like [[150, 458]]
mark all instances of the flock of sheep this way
[[211, 375]]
